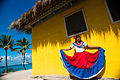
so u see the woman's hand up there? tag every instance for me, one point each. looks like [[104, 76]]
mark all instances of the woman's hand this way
[[92, 47]]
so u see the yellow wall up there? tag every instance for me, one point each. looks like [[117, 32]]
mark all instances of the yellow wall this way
[[49, 37]]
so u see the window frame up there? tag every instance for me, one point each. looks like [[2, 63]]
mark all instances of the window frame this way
[[109, 13], [84, 20]]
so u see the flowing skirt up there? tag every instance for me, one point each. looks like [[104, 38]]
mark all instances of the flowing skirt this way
[[84, 65]]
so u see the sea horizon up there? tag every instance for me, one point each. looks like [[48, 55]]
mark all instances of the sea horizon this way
[[17, 67], [12, 65]]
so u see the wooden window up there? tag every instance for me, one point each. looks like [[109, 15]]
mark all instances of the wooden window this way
[[76, 23], [113, 9]]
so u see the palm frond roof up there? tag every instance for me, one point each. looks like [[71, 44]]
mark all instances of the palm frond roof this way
[[39, 12]]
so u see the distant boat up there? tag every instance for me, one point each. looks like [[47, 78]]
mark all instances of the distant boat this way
[[24, 63]]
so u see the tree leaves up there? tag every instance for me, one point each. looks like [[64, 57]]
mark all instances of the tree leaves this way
[[7, 43], [24, 44]]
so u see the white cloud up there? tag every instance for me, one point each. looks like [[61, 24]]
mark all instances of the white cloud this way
[[3, 56], [9, 57], [16, 59], [28, 55]]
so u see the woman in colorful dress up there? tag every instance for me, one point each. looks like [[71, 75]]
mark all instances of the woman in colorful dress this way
[[83, 64]]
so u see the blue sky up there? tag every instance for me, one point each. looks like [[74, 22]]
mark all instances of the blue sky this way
[[9, 11]]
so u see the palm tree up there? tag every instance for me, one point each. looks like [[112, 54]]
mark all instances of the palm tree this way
[[24, 45], [6, 43]]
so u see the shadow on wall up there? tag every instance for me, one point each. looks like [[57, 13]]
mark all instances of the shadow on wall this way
[[102, 29], [98, 19], [53, 30], [58, 35]]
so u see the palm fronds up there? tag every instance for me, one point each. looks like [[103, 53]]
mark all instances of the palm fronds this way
[[7, 43], [24, 45]]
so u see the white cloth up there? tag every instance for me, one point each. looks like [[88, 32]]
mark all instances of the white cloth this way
[[79, 47]]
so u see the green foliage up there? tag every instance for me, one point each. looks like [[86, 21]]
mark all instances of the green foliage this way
[[24, 44], [7, 43]]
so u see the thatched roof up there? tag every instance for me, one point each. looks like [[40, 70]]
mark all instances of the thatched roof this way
[[40, 10]]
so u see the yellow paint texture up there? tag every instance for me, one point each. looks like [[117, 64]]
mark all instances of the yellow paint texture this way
[[49, 37]]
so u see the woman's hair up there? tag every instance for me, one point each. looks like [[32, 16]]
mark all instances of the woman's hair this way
[[77, 36]]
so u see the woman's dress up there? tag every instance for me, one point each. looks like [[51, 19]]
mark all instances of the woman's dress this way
[[83, 64]]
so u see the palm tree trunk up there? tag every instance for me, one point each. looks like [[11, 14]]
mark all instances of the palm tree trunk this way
[[6, 61], [24, 62]]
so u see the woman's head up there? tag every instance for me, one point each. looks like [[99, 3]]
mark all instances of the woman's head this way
[[77, 38]]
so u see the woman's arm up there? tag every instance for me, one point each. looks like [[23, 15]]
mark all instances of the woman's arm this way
[[66, 49], [92, 47]]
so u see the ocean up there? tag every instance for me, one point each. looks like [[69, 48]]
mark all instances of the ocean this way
[[14, 68]]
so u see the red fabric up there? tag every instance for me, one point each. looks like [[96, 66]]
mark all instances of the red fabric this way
[[83, 60], [75, 37]]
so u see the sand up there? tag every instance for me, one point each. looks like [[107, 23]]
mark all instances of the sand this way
[[27, 75], [18, 75]]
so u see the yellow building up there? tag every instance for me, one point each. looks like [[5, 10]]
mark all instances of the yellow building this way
[[49, 35]]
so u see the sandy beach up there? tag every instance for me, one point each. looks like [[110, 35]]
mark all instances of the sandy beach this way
[[18, 75], [27, 75]]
